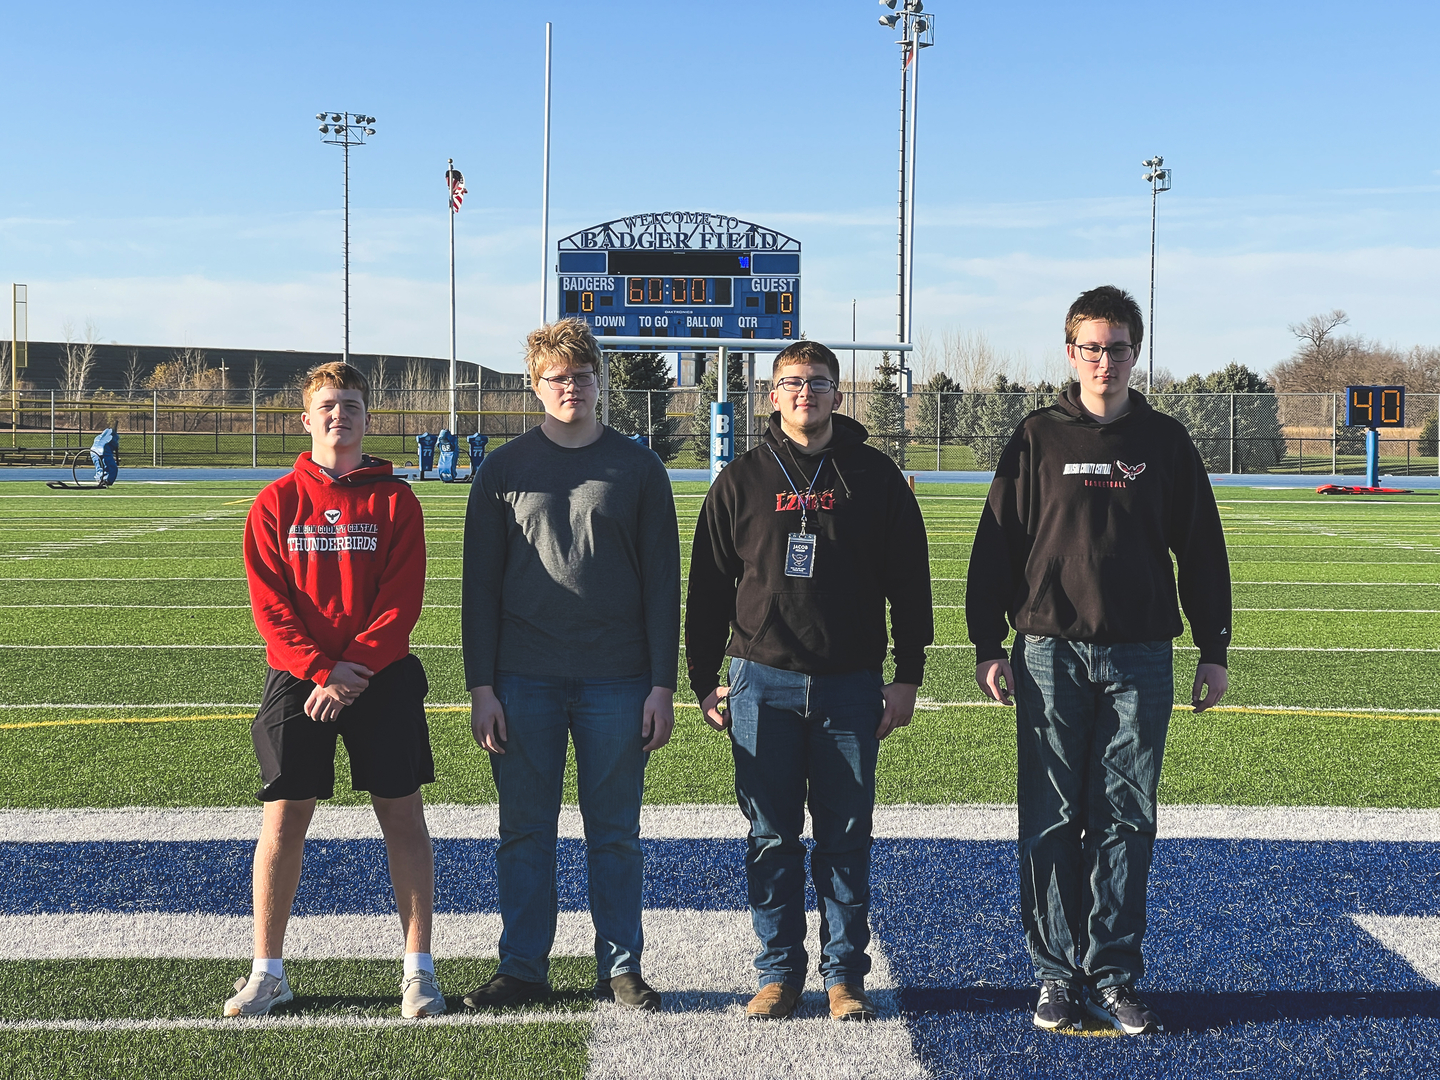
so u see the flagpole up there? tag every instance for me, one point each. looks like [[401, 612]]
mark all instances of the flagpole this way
[[545, 197], [450, 209]]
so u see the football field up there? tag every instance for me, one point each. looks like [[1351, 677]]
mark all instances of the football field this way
[[1295, 902]]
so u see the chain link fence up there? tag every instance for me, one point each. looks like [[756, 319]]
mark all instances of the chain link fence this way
[[1235, 433]]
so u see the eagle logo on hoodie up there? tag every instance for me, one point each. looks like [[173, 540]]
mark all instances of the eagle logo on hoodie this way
[[1130, 472]]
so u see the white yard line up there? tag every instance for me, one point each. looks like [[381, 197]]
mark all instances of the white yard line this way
[[701, 961], [1416, 938], [719, 821]]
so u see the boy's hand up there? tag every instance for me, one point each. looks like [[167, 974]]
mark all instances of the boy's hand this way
[[1215, 680], [487, 719], [711, 709], [899, 707], [324, 704], [988, 674], [659, 719], [348, 681]]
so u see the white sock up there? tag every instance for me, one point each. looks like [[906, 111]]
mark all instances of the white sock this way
[[274, 967], [419, 961]]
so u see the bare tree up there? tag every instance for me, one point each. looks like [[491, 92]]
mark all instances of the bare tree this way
[[257, 374], [4, 367], [77, 358], [380, 373], [134, 374], [1320, 355]]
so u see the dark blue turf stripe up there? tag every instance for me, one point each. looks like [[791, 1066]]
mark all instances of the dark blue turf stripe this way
[[1254, 962], [340, 876]]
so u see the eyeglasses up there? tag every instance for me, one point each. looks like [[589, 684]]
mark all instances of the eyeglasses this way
[[562, 382], [1122, 352], [793, 384]]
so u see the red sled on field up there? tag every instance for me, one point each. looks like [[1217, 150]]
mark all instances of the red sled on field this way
[[1338, 489]]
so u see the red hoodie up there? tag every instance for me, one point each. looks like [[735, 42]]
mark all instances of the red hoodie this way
[[336, 568]]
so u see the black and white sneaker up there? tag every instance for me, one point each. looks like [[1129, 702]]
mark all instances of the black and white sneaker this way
[[1061, 1006], [1121, 1007]]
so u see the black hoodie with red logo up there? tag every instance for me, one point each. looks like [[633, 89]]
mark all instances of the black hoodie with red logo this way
[[1075, 537], [870, 548]]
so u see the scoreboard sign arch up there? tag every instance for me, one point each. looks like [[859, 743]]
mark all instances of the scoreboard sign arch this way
[[681, 274]]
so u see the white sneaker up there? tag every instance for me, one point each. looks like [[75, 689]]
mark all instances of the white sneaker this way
[[420, 996], [258, 994]]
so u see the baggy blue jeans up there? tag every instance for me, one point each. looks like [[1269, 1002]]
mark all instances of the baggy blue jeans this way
[[604, 717], [1091, 723], [797, 737]]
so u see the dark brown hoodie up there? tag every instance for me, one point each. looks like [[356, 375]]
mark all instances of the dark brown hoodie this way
[[870, 548], [1075, 538]]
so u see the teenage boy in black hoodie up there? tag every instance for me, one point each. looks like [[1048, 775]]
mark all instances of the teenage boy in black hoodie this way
[[800, 543], [1089, 499]]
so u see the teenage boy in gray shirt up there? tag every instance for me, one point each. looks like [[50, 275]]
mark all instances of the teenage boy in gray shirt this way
[[570, 619]]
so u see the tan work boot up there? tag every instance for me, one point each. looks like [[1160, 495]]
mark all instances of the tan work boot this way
[[848, 1002], [775, 1001]]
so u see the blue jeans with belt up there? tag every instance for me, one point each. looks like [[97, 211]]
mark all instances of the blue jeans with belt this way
[[1091, 723], [799, 738], [604, 717]]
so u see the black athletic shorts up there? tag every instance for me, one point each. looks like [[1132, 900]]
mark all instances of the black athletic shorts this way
[[384, 731]]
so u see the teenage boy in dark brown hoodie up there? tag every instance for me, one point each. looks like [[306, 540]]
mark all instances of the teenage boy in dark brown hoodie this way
[[1089, 500]]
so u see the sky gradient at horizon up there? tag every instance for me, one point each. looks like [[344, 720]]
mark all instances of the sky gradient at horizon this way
[[166, 180]]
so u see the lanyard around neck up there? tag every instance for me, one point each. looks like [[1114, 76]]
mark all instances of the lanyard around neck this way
[[805, 498]]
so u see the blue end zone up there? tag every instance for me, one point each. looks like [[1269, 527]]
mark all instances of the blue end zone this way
[[1256, 963]]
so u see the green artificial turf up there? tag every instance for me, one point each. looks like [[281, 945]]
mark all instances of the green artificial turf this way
[[160, 565], [547, 1051], [167, 989]]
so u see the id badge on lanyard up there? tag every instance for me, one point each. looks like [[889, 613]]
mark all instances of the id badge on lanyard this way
[[800, 547], [800, 555]]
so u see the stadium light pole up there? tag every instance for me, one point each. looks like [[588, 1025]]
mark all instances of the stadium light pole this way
[[917, 32], [545, 199], [1159, 180], [345, 130]]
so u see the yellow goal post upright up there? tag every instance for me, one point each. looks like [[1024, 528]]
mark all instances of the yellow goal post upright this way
[[19, 351]]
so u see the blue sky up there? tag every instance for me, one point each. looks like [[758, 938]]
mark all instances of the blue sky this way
[[164, 177]]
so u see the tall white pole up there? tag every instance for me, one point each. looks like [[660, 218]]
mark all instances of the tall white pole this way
[[545, 197], [900, 273], [910, 186], [1150, 364], [346, 356], [450, 210]]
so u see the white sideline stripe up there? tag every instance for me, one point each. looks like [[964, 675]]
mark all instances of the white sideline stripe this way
[[1416, 938], [719, 821], [699, 960]]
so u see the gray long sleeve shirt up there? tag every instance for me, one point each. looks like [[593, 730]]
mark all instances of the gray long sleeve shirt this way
[[572, 563]]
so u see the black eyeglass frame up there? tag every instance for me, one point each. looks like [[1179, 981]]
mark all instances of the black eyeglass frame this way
[[830, 384], [560, 382], [1106, 350]]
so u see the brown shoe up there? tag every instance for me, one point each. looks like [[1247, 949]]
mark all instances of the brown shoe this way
[[775, 1001], [848, 1002]]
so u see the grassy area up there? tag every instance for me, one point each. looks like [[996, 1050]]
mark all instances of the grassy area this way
[[1335, 613]]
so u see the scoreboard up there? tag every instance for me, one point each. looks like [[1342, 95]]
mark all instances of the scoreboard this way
[[681, 274], [1375, 406]]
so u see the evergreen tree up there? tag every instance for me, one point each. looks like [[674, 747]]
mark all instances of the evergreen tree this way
[[991, 418], [639, 384], [709, 390], [885, 411], [937, 405], [1203, 404]]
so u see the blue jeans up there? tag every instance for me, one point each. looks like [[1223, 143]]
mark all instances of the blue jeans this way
[[604, 717], [795, 736], [1091, 725]]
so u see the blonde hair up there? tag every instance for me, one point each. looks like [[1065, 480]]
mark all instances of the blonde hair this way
[[337, 374], [568, 341]]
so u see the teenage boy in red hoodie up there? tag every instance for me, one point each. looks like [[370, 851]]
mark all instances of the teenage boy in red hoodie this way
[[1089, 500], [335, 556]]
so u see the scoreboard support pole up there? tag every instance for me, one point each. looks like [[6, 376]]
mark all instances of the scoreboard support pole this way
[[1372, 457], [722, 417]]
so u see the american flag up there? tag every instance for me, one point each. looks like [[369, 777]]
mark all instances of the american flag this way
[[456, 183]]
